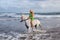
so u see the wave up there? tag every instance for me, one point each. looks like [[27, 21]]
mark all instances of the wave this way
[[10, 15]]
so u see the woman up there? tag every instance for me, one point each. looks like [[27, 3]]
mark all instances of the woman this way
[[31, 17]]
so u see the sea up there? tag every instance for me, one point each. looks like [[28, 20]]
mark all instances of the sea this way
[[11, 27]]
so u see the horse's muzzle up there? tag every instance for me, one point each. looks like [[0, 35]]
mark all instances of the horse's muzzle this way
[[21, 21]]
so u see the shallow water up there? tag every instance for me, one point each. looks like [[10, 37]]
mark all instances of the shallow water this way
[[14, 24], [11, 27]]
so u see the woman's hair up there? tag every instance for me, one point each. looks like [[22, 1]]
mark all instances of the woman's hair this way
[[31, 11]]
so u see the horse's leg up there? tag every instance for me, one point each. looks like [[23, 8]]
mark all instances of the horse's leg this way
[[36, 26], [40, 26], [31, 29], [27, 27]]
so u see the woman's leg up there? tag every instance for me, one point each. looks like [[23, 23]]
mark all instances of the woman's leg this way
[[31, 25]]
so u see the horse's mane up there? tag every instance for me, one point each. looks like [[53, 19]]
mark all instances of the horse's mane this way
[[25, 15]]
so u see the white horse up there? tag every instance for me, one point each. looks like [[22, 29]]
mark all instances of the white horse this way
[[36, 22]]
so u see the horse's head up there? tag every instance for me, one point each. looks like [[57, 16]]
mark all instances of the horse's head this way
[[23, 17]]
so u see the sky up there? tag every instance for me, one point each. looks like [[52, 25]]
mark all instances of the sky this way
[[23, 6]]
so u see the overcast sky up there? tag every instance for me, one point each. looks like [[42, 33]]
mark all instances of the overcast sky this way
[[25, 5]]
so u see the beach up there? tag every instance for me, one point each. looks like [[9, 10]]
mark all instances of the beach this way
[[11, 27]]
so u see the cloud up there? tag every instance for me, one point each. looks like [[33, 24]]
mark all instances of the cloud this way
[[26, 5]]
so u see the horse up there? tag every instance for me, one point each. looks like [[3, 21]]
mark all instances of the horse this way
[[36, 22]]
